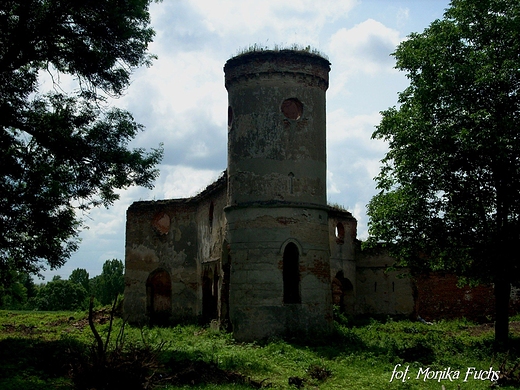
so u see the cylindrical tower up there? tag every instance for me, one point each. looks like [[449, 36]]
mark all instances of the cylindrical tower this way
[[276, 122], [277, 212]]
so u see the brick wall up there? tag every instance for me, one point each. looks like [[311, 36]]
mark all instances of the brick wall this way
[[438, 297]]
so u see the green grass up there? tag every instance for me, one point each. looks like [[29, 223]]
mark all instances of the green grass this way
[[256, 47], [35, 350]]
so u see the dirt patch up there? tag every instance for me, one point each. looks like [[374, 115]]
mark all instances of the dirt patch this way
[[99, 317], [478, 330], [23, 329], [514, 327]]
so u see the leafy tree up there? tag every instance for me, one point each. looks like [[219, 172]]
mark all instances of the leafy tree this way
[[80, 276], [59, 151], [95, 287], [111, 282], [19, 294], [60, 294], [13, 296], [450, 181]]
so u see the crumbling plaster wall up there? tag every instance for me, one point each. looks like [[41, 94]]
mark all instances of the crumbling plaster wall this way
[[258, 237], [161, 235], [211, 234], [277, 214], [342, 242], [378, 290], [178, 236], [264, 142]]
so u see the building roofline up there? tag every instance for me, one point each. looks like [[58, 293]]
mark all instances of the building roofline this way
[[211, 189]]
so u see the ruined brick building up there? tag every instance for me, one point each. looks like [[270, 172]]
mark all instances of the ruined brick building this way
[[259, 251]]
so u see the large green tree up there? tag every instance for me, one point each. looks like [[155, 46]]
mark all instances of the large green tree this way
[[80, 276], [111, 283], [20, 294], [65, 150], [450, 182], [60, 294], [112, 280]]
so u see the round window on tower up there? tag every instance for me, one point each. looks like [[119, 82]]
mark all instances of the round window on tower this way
[[292, 108]]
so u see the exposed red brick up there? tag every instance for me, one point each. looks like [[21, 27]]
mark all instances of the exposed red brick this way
[[438, 297], [161, 223], [321, 269]]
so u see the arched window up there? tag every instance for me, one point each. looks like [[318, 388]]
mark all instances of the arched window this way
[[291, 183], [342, 292], [291, 274]]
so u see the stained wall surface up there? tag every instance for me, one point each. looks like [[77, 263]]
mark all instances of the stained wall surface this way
[[380, 291], [175, 238], [277, 214]]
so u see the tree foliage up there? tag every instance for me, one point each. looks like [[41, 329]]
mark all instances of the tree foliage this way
[[60, 294], [80, 276], [450, 181], [61, 152], [19, 294], [112, 281]]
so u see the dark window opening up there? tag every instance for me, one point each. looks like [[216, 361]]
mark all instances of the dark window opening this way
[[340, 233], [209, 295], [211, 211], [291, 183], [291, 274], [230, 117]]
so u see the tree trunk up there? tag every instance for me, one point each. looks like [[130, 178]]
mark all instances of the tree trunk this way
[[502, 296]]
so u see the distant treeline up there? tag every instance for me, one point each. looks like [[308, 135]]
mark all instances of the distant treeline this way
[[65, 294]]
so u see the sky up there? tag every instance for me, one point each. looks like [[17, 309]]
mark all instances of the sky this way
[[182, 102]]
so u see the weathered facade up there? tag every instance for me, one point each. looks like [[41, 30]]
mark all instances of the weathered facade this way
[[260, 251]]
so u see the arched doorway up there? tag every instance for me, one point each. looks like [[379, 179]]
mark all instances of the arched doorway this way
[[210, 281], [159, 297], [343, 293]]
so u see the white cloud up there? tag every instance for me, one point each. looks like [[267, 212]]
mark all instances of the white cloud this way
[[183, 181], [362, 49], [353, 161], [341, 127], [403, 14], [177, 83], [359, 212], [298, 21], [332, 187]]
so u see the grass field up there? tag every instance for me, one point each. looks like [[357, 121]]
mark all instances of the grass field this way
[[54, 350]]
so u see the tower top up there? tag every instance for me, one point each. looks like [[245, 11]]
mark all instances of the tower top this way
[[257, 63]]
